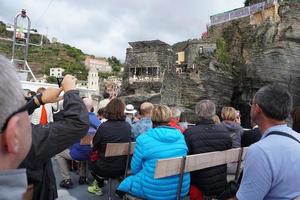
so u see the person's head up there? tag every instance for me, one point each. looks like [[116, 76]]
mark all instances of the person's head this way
[[176, 114], [32, 93], [161, 115], [229, 113], [296, 119], [205, 109], [271, 104], [216, 119], [15, 128], [146, 109], [100, 113], [88, 104], [114, 110], [40, 90]]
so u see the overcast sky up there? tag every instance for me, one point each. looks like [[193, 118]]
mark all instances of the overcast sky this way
[[104, 27]]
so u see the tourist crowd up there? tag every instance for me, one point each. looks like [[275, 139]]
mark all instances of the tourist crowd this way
[[44, 127]]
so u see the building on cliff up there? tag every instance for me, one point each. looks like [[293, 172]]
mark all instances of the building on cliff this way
[[257, 13], [145, 64]]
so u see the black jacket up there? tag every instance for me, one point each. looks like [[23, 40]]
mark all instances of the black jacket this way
[[51, 139], [207, 137], [250, 137], [110, 132]]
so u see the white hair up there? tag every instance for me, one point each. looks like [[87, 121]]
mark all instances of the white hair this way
[[11, 93], [175, 112], [205, 109]]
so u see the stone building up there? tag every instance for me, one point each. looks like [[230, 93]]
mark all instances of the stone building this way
[[145, 64], [187, 52]]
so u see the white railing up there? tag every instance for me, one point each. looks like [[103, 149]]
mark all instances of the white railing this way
[[241, 12]]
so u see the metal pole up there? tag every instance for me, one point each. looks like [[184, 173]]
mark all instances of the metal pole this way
[[128, 157], [237, 172], [182, 167], [109, 189]]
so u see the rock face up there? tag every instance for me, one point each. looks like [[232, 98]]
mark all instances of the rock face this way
[[259, 54], [267, 53]]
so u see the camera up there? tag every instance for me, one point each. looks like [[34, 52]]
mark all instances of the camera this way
[[59, 81]]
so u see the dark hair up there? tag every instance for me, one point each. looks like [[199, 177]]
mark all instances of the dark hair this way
[[32, 93], [106, 95], [101, 111], [296, 119], [114, 110], [275, 101]]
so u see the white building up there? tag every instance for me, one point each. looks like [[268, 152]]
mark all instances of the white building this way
[[93, 80], [56, 72]]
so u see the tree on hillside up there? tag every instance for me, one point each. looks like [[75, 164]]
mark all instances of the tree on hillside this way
[[221, 52], [115, 63]]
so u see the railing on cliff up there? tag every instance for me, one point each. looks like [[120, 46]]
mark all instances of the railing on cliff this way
[[241, 12]]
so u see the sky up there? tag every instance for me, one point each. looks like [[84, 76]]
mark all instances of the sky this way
[[104, 27]]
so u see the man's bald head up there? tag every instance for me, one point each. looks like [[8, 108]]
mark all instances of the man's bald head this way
[[146, 109]]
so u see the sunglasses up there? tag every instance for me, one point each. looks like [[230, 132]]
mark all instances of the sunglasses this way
[[20, 110]]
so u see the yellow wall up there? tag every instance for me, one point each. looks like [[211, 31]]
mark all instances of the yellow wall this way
[[180, 58], [261, 16]]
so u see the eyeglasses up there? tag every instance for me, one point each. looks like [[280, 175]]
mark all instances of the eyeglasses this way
[[20, 110]]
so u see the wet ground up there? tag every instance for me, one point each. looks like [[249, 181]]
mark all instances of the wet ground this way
[[80, 191]]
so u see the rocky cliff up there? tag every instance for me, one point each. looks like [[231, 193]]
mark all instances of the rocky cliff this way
[[262, 54]]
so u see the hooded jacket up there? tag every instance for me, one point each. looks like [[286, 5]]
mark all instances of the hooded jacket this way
[[154, 144], [235, 131]]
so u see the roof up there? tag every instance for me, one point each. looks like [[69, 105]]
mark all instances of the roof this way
[[148, 43]]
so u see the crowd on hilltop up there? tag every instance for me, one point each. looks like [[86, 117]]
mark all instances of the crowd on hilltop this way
[[37, 127]]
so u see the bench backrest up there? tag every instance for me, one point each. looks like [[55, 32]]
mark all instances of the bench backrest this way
[[118, 149], [171, 166]]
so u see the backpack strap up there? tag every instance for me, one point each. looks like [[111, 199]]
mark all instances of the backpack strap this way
[[283, 134]]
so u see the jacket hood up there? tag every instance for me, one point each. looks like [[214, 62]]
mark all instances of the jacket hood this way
[[231, 126], [166, 134]]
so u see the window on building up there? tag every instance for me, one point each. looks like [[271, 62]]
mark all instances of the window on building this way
[[201, 50]]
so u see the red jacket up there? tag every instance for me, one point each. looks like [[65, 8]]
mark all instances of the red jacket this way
[[174, 124]]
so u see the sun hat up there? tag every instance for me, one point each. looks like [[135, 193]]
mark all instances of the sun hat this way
[[129, 109]]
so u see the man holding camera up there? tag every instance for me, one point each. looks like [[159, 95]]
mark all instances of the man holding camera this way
[[38, 143]]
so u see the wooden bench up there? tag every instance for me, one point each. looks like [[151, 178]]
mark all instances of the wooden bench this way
[[179, 165], [119, 149]]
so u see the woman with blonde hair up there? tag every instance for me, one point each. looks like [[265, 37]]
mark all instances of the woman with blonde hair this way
[[231, 120], [161, 141]]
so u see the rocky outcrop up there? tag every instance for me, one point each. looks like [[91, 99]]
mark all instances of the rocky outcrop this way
[[262, 54]]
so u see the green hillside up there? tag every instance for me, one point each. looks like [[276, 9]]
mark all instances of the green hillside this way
[[50, 55]]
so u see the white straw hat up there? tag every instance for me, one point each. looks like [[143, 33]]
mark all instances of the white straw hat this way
[[129, 109]]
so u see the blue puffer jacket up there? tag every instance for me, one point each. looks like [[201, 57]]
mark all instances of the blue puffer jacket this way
[[155, 144]]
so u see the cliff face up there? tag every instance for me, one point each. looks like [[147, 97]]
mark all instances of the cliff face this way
[[262, 54], [274, 56]]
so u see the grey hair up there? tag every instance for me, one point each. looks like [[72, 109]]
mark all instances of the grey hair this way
[[275, 101], [11, 93], [175, 112], [205, 109]]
